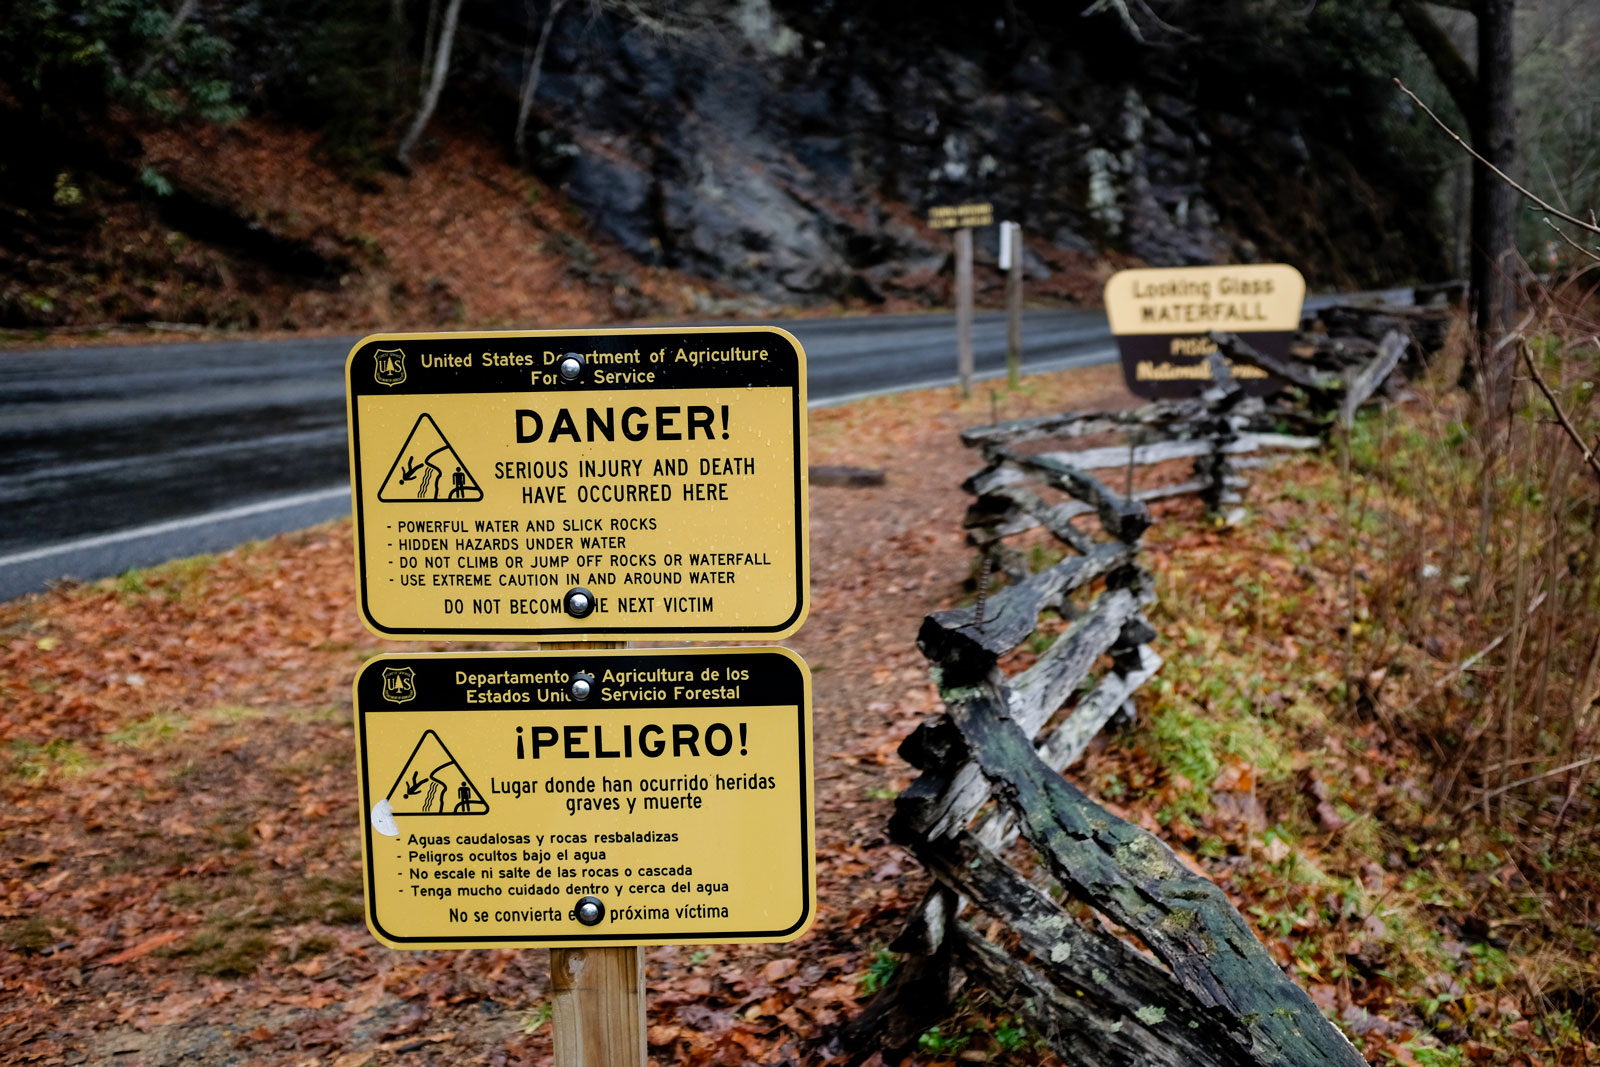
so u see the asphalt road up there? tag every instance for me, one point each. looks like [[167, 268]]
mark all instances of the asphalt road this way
[[126, 456]]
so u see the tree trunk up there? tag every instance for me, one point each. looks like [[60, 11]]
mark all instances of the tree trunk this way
[[530, 76], [430, 98], [1494, 223]]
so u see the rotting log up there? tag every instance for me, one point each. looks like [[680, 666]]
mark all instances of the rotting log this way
[[950, 806], [848, 477], [1121, 517], [1062, 667], [1082, 1029], [1313, 381], [1071, 739], [997, 507]]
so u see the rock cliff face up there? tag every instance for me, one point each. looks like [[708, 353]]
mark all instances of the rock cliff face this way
[[790, 151]]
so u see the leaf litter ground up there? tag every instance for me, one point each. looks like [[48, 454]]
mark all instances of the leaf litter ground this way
[[179, 865]]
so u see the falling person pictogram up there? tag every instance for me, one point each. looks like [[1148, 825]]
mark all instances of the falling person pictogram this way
[[433, 783], [418, 472]]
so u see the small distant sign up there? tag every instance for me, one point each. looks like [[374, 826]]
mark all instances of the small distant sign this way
[[960, 216], [593, 797], [1161, 317], [1010, 244]]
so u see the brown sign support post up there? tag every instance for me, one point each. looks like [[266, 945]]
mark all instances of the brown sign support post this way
[[962, 218], [963, 238], [597, 1005]]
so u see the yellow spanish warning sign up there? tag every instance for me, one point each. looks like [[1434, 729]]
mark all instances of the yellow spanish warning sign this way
[[1161, 317], [603, 797], [640, 484]]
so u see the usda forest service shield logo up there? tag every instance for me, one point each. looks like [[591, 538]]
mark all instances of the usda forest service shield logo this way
[[389, 367], [399, 684]]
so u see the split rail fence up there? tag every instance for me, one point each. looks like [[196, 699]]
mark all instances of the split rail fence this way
[[1038, 927]]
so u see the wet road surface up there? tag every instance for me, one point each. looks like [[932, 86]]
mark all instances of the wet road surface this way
[[127, 456]]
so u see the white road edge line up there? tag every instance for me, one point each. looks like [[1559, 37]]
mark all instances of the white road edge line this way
[[171, 525], [1082, 359]]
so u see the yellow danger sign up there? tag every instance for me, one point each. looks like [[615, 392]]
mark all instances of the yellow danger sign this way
[[602, 797], [593, 484]]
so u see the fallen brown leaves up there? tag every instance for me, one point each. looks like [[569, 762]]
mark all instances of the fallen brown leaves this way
[[178, 855], [179, 865]]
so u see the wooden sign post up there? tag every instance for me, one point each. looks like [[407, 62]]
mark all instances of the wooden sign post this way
[[963, 238], [597, 1003], [597, 1007], [962, 218]]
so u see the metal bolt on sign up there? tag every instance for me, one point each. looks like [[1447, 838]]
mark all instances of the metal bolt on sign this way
[[582, 686], [579, 602], [570, 367], [590, 911]]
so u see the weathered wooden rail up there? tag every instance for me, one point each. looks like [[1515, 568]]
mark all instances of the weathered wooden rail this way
[[1150, 964]]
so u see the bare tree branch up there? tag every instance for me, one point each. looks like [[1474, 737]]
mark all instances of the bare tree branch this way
[[1534, 778], [1563, 235], [1502, 175], [1566, 423], [1124, 10], [1442, 55], [430, 98], [530, 78], [170, 34]]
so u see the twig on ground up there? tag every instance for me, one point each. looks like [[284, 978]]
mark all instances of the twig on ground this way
[[1574, 765], [1466, 664]]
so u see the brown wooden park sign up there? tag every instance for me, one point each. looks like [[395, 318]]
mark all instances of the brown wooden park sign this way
[[1162, 316]]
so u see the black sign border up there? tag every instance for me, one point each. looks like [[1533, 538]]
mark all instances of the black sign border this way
[[802, 519], [786, 658]]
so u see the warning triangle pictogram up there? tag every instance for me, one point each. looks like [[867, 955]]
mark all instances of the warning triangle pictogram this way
[[428, 469], [433, 783]]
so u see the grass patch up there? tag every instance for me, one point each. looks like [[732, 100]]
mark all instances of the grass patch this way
[[336, 901], [148, 732], [30, 761], [226, 955], [535, 1019], [32, 935], [186, 580]]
